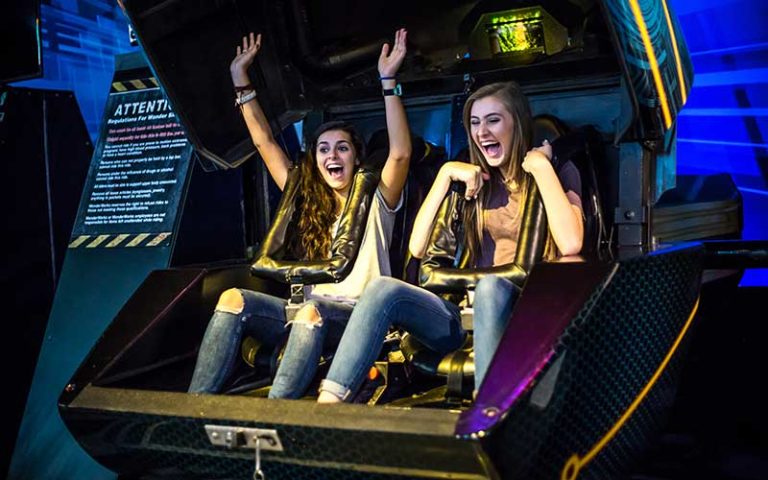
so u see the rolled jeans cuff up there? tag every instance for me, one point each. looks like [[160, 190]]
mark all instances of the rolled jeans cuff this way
[[336, 389]]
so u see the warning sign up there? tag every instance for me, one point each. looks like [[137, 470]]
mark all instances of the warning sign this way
[[137, 173]]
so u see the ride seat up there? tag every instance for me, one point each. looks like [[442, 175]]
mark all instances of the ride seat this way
[[584, 147], [426, 160]]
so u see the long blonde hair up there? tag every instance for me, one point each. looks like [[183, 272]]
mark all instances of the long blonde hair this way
[[514, 177], [318, 204]]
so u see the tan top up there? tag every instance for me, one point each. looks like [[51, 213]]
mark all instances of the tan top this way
[[502, 227], [503, 216]]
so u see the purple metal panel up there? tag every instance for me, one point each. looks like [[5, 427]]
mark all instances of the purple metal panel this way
[[553, 295]]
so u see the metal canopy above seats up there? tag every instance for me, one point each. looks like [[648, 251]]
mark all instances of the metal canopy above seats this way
[[311, 59]]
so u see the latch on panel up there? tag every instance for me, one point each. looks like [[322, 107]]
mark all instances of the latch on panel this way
[[240, 437]]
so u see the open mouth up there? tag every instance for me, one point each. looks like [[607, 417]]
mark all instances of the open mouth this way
[[492, 149], [335, 170]]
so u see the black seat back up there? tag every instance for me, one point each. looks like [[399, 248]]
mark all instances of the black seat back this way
[[584, 147], [425, 163]]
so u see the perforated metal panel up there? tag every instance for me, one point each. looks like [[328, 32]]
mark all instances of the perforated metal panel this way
[[609, 354], [352, 441]]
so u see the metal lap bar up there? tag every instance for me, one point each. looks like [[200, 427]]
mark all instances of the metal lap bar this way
[[468, 318], [297, 293]]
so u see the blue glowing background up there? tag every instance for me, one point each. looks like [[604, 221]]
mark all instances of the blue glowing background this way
[[723, 127]]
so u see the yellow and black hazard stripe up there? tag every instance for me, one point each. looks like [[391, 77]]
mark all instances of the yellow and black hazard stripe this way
[[133, 85], [122, 240]]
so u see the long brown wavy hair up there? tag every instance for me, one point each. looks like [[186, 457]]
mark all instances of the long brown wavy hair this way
[[514, 177], [318, 205]]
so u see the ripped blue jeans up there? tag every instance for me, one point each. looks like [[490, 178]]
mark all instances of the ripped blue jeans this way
[[263, 317]]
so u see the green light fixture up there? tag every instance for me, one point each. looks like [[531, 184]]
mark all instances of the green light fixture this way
[[519, 34]]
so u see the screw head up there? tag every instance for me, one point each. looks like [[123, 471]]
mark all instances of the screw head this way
[[490, 412]]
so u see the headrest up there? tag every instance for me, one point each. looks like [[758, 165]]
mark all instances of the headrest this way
[[375, 159], [380, 141], [547, 127]]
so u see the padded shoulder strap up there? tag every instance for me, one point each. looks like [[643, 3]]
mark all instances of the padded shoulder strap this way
[[275, 241], [346, 244], [532, 239], [438, 272]]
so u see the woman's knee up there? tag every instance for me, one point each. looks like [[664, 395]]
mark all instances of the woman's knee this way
[[309, 315], [231, 301], [375, 307], [383, 289], [491, 286]]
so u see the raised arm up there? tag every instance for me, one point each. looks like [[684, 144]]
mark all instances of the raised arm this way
[[261, 133], [469, 174], [396, 168], [563, 217]]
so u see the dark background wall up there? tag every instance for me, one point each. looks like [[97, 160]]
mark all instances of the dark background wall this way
[[45, 151]]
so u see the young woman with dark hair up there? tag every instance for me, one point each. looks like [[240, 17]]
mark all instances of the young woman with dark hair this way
[[326, 177]]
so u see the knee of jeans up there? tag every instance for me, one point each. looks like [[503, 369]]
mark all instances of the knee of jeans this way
[[308, 316], [489, 286], [222, 323], [382, 288], [231, 301]]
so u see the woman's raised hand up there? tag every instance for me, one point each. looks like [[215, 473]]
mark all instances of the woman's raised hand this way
[[537, 157], [244, 58], [470, 175], [390, 61]]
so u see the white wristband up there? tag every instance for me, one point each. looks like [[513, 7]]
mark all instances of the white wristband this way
[[244, 98]]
